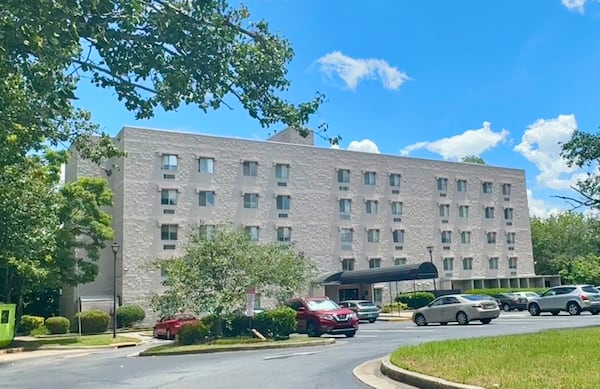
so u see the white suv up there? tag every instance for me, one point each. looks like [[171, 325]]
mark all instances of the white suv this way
[[570, 298]]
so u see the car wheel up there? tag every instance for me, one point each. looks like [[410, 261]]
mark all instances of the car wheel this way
[[311, 330], [595, 312], [371, 320], [573, 308], [444, 323], [420, 320], [506, 308], [168, 336], [486, 321], [555, 313], [462, 318], [350, 334], [534, 309]]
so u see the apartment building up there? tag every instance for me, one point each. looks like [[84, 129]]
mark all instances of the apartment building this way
[[346, 210]]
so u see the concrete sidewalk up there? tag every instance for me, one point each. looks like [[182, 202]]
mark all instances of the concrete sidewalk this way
[[396, 316]]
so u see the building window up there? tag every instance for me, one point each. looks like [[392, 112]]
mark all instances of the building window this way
[[448, 264], [373, 235], [395, 180], [444, 210], [489, 212], [168, 197], [250, 168], [206, 165], [508, 213], [442, 184], [169, 162], [374, 263], [343, 176], [465, 237], [399, 261], [493, 262], [348, 264], [467, 263], [398, 236], [396, 208], [463, 211], [346, 237], [511, 237], [206, 230], [284, 234], [206, 199], [371, 207], [250, 200], [487, 187], [168, 232], [512, 263], [446, 237], [506, 189], [282, 172], [491, 237], [461, 185], [253, 232], [370, 178], [283, 203], [345, 207]]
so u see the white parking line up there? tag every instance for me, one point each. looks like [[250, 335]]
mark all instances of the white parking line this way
[[282, 356], [76, 355]]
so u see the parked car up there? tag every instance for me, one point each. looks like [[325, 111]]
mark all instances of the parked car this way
[[510, 301], [460, 308], [525, 297], [168, 327], [571, 298], [320, 315], [365, 310]]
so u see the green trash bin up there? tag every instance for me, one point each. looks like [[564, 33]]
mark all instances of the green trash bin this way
[[7, 324]]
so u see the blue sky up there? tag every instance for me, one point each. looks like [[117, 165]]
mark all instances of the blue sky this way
[[502, 79]]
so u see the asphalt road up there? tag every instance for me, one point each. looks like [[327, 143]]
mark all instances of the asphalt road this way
[[310, 367]]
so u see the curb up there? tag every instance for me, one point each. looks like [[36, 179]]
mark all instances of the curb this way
[[393, 318], [13, 350], [249, 347], [113, 346], [417, 379]]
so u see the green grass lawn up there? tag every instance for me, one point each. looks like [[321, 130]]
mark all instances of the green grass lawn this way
[[549, 359], [85, 340]]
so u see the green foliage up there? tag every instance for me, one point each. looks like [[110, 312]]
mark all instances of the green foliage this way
[[94, 321], [192, 333], [213, 274], [415, 300], [580, 270], [583, 151], [57, 325], [277, 323], [129, 314], [41, 330], [396, 307], [473, 159], [29, 323], [491, 291]]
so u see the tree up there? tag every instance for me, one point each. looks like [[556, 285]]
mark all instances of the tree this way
[[217, 267], [473, 159], [583, 151]]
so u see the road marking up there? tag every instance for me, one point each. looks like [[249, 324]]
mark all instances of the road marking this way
[[76, 355], [135, 354], [283, 356]]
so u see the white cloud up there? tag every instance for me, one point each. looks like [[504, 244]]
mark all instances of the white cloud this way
[[470, 142], [540, 208], [366, 145], [540, 145], [574, 5], [353, 70]]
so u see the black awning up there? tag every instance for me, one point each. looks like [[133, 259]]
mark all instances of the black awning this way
[[416, 271]]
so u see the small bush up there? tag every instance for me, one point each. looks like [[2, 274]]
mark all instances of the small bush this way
[[396, 307], [276, 324], [91, 322], [42, 330], [504, 290], [192, 333], [29, 323], [415, 300], [236, 326], [129, 314], [57, 325]]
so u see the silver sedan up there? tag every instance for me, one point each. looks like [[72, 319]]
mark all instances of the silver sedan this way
[[460, 308]]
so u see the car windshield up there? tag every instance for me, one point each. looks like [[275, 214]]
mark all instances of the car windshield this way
[[475, 297], [590, 289], [322, 305], [531, 294]]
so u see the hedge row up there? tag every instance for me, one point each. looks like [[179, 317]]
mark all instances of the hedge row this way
[[504, 290], [415, 300]]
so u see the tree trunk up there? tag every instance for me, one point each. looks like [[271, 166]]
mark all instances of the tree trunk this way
[[19, 311]]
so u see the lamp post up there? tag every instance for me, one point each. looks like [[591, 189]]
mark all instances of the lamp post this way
[[430, 249], [115, 249]]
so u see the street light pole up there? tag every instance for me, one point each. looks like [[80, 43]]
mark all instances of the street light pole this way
[[430, 249], [115, 249]]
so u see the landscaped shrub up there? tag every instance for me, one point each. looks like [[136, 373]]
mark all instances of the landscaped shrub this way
[[57, 325], [504, 290], [396, 307], [236, 325], [42, 330], [29, 323], [276, 324], [91, 322], [415, 300], [129, 314], [193, 332]]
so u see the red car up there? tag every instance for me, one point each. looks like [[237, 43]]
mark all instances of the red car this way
[[320, 315], [167, 327]]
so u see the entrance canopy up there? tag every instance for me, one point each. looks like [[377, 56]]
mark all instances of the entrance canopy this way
[[415, 271]]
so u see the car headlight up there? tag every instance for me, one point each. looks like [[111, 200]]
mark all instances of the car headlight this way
[[353, 315], [326, 317]]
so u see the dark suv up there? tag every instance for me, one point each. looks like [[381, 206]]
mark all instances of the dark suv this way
[[320, 315]]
